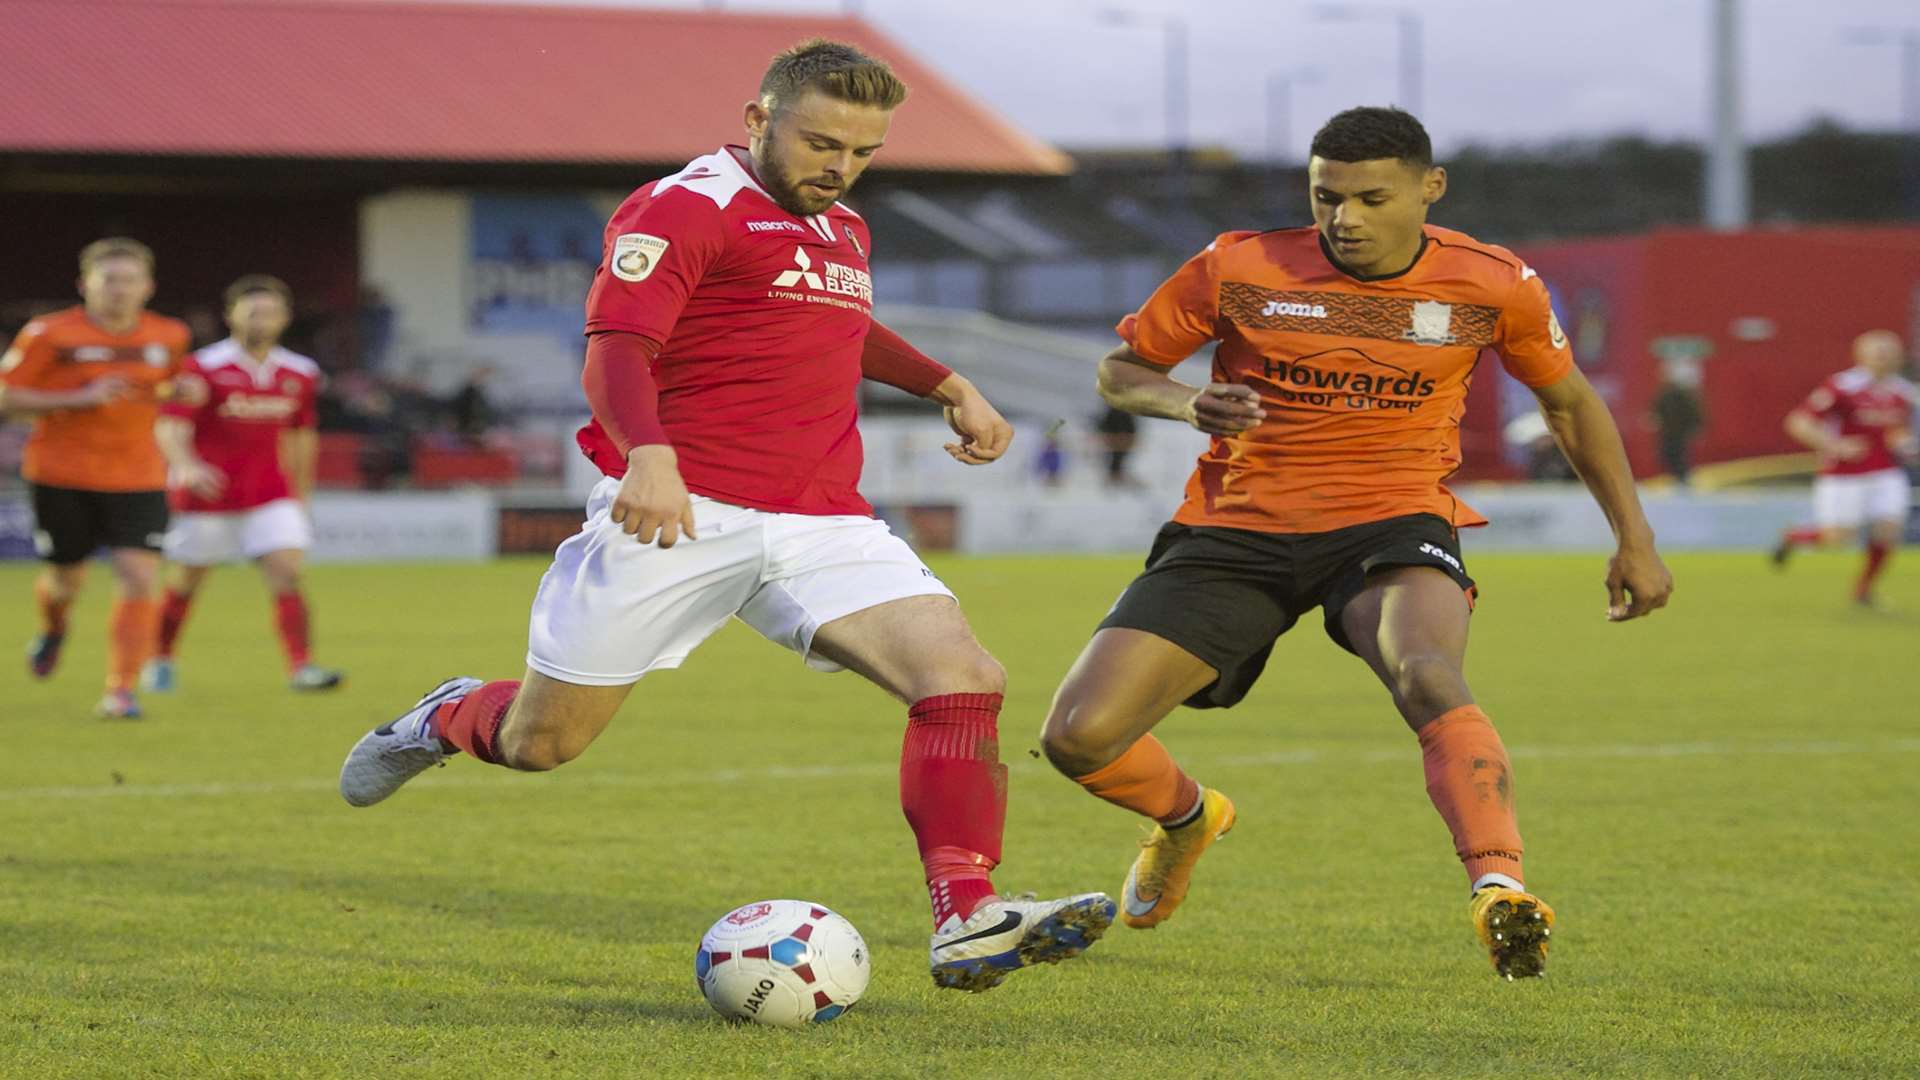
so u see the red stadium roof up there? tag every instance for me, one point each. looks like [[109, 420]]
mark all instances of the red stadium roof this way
[[442, 82]]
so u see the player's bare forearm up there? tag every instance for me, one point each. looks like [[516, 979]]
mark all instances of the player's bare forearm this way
[[299, 457], [1131, 383], [26, 402], [1638, 582], [175, 438]]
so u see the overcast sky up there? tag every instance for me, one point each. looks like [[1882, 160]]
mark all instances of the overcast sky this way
[[1076, 75]]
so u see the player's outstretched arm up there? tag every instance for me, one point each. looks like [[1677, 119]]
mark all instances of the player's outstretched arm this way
[[1638, 582], [1133, 384], [25, 401]]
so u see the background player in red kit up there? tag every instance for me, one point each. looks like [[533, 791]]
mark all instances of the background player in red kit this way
[[242, 471], [1860, 421], [1341, 374], [92, 377], [729, 328]]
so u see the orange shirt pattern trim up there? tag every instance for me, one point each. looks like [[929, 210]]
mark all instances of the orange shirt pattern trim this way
[[110, 448], [1364, 380]]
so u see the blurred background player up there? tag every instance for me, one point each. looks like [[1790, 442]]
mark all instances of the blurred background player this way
[[1860, 422], [92, 377], [242, 466], [1339, 382], [729, 325]]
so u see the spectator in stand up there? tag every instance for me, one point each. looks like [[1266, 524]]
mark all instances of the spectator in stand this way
[[1678, 416]]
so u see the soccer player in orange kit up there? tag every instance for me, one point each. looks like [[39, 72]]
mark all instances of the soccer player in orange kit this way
[[92, 377], [1345, 352]]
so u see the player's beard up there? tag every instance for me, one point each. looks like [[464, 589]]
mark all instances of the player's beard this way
[[786, 190]]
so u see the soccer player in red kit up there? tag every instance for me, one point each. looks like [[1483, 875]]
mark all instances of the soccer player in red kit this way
[[1860, 421], [729, 326], [1339, 379], [242, 471]]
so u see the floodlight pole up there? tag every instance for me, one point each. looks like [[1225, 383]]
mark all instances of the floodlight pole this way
[[1728, 187]]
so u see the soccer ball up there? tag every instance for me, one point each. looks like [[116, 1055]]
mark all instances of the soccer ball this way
[[787, 963]]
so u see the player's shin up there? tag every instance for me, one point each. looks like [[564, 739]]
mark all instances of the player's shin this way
[[290, 620], [131, 629], [173, 619], [1146, 780], [1471, 783], [472, 723], [953, 790], [53, 604]]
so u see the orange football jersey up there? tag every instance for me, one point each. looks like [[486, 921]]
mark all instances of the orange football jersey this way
[[1364, 381], [109, 448]]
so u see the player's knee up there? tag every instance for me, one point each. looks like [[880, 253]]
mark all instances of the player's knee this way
[[978, 673], [1079, 738], [1428, 684]]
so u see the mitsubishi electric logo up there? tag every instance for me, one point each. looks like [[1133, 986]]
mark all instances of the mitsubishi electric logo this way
[[803, 272], [833, 283]]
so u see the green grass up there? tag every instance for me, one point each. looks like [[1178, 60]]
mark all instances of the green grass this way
[[1721, 803]]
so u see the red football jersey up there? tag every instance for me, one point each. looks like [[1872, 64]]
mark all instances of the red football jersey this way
[[1854, 403], [762, 316], [237, 430]]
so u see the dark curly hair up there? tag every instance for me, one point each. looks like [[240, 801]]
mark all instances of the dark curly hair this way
[[1369, 133]]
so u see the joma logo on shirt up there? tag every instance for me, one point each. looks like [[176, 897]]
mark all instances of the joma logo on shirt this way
[[1301, 311]]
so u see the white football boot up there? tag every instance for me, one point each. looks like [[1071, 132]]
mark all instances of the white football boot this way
[[399, 750], [1003, 936]]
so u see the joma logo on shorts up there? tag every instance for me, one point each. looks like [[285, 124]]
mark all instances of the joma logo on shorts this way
[[1441, 554], [1302, 311]]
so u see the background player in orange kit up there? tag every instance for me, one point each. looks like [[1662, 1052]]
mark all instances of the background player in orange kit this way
[[1860, 421], [92, 377], [242, 471], [1339, 382]]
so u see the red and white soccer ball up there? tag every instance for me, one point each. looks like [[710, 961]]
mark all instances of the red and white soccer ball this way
[[788, 963]]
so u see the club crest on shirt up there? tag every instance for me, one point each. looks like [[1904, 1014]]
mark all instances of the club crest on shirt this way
[[1432, 323], [634, 255], [155, 354], [855, 241], [289, 386]]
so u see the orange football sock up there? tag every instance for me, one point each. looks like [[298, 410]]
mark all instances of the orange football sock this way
[[53, 613], [1146, 781], [131, 630], [1471, 784]]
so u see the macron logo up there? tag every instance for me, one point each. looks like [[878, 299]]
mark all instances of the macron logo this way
[[774, 226], [803, 271]]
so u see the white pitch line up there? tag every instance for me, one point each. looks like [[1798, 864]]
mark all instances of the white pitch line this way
[[217, 789]]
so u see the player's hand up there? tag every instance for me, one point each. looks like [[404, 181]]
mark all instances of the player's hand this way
[[202, 479], [652, 501], [984, 433], [1847, 448], [1225, 409], [104, 391], [184, 389], [1638, 582]]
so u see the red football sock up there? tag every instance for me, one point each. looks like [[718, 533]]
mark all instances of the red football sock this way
[[1877, 554], [953, 789], [173, 618], [472, 722], [1801, 536], [1471, 784], [53, 613], [290, 617]]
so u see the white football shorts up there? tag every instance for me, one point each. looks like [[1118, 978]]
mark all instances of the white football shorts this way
[[199, 538], [610, 609], [1846, 502]]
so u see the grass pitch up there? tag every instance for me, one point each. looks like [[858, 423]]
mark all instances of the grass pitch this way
[[1720, 802]]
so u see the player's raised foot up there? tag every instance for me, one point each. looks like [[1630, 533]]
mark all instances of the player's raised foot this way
[[118, 705], [156, 676], [1157, 880], [1003, 936], [43, 654], [1515, 927], [399, 750], [308, 677]]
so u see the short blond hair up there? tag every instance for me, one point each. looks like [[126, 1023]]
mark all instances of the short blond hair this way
[[834, 68], [114, 247]]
